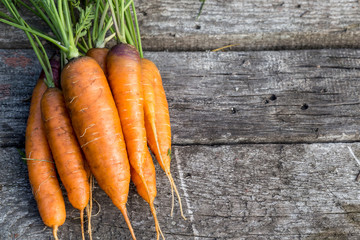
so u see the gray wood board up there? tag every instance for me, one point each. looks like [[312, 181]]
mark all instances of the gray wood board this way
[[11, 37], [227, 98], [251, 25], [297, 191]]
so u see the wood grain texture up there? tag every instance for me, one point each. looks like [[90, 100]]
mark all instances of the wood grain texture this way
[[227, 98], [11, 37], [250, 24], [298, 191], [245, 97]]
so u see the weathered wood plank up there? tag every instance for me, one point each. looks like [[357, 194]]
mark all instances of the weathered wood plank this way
[[287, 96], [19, 218], [227, 98], [252, 25], [298, 191], [271, 191], [19, 70], [11, 37]]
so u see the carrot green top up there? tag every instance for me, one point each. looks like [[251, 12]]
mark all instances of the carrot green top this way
[[70, 34], [60, 18], [97, 36], [125, 23]]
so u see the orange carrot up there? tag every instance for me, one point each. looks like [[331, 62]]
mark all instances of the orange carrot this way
[[124, 69], [65, 149], [97, 126], [42, 174], [157, 121], [99, 54]]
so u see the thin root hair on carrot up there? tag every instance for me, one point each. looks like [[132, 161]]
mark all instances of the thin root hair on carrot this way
[[99, 208], [172, 197], [36, 232], [157, 225], [89, 212], [39, 160], [178, 196]]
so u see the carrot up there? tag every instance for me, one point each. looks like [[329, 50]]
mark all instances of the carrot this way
[[124, 69], [89, 101], [97, 126], [99, 54], [42, 174], [66, 151], [61, 138], [124, 74], [157, 121]]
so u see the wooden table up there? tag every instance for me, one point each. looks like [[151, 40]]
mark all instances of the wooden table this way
[[260, 138]]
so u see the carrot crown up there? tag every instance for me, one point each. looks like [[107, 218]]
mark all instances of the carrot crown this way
[[125, 22], [103, 24], [70, 34]]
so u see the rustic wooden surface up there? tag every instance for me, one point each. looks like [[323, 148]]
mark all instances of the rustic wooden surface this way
[[281, 191], [263, 191], [260, 137], [250, 24], [228, 98]]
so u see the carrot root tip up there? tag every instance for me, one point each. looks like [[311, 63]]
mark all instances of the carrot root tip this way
[[89, 209], [127, 220], [157, 225], [177, 194], [172, 196], [55, 229], [82, 223]]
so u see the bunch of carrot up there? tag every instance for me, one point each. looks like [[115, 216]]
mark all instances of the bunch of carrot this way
[[110, 108]]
